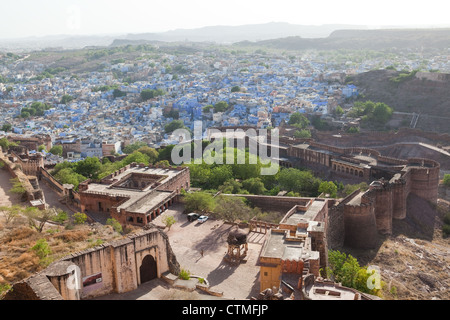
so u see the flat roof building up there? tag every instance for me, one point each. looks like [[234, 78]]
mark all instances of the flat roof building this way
[[135, 194]]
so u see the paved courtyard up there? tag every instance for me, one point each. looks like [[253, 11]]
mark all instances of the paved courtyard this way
[[188, 239]]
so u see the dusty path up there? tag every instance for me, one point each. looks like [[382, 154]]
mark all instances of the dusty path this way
[[7, 198]]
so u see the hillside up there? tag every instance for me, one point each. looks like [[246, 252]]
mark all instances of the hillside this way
[[414, 260], [427, 94], [386, 39], [17, 258]]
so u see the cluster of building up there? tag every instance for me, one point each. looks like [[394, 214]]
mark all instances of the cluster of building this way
[[271, 87]]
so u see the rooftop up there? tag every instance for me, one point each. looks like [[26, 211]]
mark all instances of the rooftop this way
[[278, 246], [137, 185]]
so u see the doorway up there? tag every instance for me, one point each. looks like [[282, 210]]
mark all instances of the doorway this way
[[148, 269]]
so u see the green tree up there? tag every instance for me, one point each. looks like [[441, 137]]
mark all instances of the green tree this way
[[115, 224], [235, 89], [254, 185], [339, 111], [165, 153], [382, 113], [352, 130], [169, 221], [250, 168], [66, 99], [175, 114], [147, 94], [231, 186], [137, 157], [5, 144], [172, 126], [298, 120], [6, 127], [57, 150], [328, 187], [446, 180], [302, 134], [150, 152], [89, 167], [38, 218], [79, 218], [17, 187], [11, 213], [118, 93], [198, 202], [62, 165], [208, 108], [218, 175], [25, 114], [69, 176], [221, 106], [42, 250], [231, 209], [164, 163], [134, 147], [41, 148], [346, 270], [61, 217], [349, 188], [295, 180]]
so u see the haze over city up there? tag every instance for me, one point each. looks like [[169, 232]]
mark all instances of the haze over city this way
[[25, 18]]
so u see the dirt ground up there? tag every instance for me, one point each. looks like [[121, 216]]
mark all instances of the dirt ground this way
[[6, 198], [188, 239]]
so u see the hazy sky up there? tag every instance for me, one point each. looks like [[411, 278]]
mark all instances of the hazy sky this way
[[23, 18]]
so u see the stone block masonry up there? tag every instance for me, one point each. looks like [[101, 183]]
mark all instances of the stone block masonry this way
[[115, 267]]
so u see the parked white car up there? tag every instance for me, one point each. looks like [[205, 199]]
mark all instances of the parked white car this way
[[202, 219]]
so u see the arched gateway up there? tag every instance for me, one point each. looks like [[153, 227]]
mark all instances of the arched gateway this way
[[148, 269]]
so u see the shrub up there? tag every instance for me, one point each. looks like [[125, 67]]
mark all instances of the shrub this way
[[79, 218], [17, 186], [42, 250], [185, 274], [61, 217], [169, 221], [446, 230], [446, 180], [4, 287], [115, 224]]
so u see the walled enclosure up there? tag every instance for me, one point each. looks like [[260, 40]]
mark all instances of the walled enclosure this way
[[116, 267], [135, 194], [356, 221]]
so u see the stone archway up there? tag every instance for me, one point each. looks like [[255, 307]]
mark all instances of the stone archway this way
[[148, 269]]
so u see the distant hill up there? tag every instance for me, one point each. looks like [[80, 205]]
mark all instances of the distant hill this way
[[251, 32], [363, 39], [217, 34], [279, 35]]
